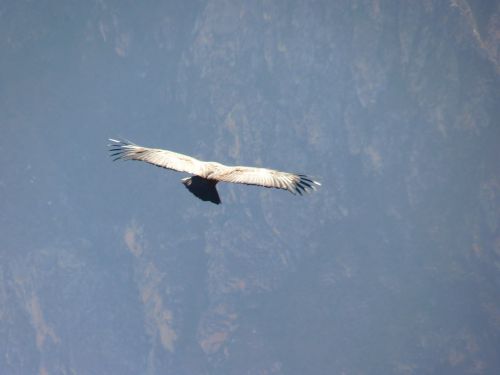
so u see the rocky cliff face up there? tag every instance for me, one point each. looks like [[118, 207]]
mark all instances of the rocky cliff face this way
[[391, 268]]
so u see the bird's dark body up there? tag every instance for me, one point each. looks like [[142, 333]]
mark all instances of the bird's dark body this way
[[202, 188]]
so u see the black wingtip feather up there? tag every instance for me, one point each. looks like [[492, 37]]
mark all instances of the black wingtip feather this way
[[303, 182], [304, 185], [119, 148]]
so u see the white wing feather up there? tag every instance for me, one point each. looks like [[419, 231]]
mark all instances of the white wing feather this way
[[126, 150], [270, 178]]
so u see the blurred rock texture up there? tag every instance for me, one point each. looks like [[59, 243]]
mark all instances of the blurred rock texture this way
[[392, 267]]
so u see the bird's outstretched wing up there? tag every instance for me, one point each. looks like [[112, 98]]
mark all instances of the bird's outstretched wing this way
[[270, 178], [126, 150]]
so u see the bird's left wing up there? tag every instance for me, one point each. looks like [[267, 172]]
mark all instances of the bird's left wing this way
[[126, 150], [270, 178]]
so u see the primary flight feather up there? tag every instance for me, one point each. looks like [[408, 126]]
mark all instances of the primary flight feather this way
[[206, 174]]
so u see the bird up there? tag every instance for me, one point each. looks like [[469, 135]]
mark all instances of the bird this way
[[206, 174]]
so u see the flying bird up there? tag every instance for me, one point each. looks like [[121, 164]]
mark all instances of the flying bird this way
[[206, 174]]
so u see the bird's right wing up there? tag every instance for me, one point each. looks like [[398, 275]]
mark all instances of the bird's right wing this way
[[269, 178], [126, 150]]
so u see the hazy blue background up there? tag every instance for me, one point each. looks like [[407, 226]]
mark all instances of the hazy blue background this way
[[392, 267]]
